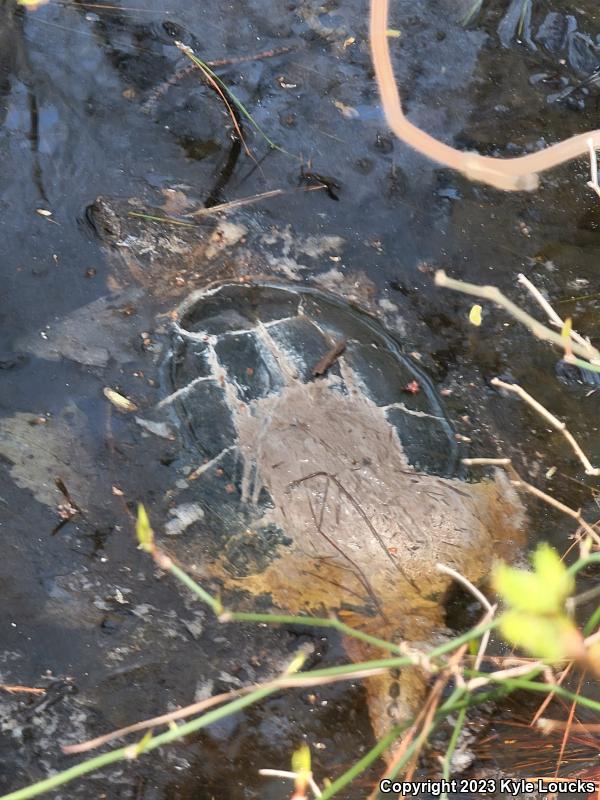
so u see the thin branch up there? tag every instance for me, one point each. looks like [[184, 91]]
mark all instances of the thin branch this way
[[509, 174], [494, 295], [552, 501], [518, 482], [593, 183], [554, 318], [480, 597], [550, 418], [302, 681], [281, 773], [490, 462], [552, 725], [505, 674]]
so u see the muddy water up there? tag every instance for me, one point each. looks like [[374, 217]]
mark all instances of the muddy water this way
[[85, 306]]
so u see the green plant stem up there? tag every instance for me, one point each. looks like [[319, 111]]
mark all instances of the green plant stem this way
[[362, 764], [124, 753], [203, 66], [447, 763], [593, 558], [452, 704], [314, 622], [191, 584], [592, 622], [319, 622], [511, 684]]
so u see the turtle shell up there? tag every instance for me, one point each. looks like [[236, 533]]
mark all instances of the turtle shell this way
[[325, 479], [240, 343]]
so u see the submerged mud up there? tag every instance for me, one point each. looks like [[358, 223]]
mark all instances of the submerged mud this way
[[90, 108]]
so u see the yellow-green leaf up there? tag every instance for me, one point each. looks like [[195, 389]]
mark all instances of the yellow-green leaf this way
[[542, 591], [553, 574], [301, 766], [301, 759], [296, 663], [144, 742], [550, 638], [121, 403], [566, 329], [522, 590], [143, 531], [475, 315]]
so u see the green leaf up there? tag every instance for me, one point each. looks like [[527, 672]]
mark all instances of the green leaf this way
[[553, 573], [475, 315], [542, 591], [143, 531], [301, 760], [144, 742], [301, 766], [566, 330], [550, 638]]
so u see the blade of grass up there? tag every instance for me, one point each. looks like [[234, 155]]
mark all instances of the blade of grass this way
[[214, 78]]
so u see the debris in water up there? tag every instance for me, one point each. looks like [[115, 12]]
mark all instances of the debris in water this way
[[475, 315], [329, 359], [121, 403]]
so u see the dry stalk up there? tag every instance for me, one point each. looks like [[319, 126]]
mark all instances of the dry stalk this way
[[555, 319], [281, 773], [298, 681], [549, 697], [552, 725], [503, 674], [494, 295], [552, 501], [509, 174], [550, 418], [489, 608], [519, 483], [485, 462], [593, 183]]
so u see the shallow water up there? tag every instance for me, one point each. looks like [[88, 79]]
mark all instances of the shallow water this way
[[80, 119]]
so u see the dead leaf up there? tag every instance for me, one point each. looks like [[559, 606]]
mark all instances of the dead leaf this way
[[121, 403], [347, 111]]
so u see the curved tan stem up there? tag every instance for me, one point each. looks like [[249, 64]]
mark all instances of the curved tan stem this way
[[510, 174]]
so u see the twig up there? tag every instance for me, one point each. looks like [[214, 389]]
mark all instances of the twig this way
[[504, 674], [492, 462], [569, 727], [494, 295], [549, 417], [552, 501], [518, 482], [509, 174], [489, 608], [466, 583], [547, 700], [593, 183], [302, 681], [551, 725], [4, 687], [281, 773], [554, 318]]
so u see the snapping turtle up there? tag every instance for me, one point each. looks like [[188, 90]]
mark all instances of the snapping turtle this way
[[326, 470]]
